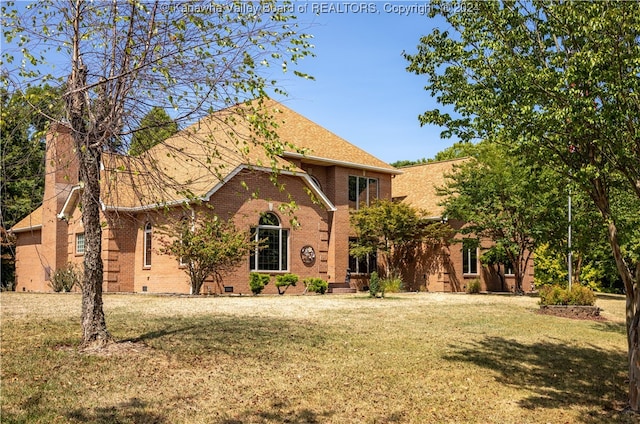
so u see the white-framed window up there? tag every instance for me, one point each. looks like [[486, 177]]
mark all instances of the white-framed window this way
[[80, 244], [362, 191], [273, 252], [470, 256], [508, 268], [365, 265], [184, 226], [148, 237]]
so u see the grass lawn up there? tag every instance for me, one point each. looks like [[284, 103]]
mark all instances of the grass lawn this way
[[410, 358]]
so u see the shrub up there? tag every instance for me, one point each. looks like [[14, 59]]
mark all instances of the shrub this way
[[257, 282], [392, 285], [64, 279], [556, 295], [285, 281], [474, 286], [581, 295], [316, 285], [375, 286]]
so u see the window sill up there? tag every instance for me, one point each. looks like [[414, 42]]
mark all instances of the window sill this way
[[268, 271]]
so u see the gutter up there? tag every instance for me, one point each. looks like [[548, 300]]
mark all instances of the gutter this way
[[294, 155], [325, 200]]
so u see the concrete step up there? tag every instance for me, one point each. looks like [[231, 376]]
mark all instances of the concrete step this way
[[340, 288]]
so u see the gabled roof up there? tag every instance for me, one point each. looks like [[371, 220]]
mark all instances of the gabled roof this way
[[31, 222], [418, 185], [195, 162], [320, 145], [190, 164]]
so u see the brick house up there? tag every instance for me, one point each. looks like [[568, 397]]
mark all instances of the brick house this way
[[451, 267], [212, 166]]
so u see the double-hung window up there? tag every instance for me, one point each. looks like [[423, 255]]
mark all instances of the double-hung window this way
[[148, 235], [272, 252], [362, 191], [80, 244], [470, 256]]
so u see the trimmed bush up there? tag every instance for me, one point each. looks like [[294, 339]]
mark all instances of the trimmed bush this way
[[316, 285], [257, 282], [376, 289], [64, 279], [581, 295], [285, 281], [473, 287], [556, 295]]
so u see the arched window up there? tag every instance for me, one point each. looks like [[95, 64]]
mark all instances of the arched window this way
[[316, 182], [273, 252], [148, 234]]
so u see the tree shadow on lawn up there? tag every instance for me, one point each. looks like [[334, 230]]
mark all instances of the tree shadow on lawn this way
[[133, 411], [265, 340], [612, 327], [279, 412], [558, 374], [234, 336]]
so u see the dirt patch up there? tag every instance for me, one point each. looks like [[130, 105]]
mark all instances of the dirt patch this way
[[590, 313]]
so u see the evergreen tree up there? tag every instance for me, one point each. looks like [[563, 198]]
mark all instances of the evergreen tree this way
[[155, 127]]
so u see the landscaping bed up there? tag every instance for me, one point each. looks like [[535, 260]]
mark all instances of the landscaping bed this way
[[573, 311]]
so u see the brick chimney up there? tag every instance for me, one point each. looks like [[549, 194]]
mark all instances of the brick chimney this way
[[61, 175]]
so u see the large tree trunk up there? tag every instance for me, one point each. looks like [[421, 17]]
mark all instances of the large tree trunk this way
[[89, 152], [599, 195], [632, 318], [94, 327]]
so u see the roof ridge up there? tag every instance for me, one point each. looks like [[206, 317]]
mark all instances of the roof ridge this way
[[435, 162]]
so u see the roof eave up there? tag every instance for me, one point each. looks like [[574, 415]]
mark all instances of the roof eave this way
[[295, 155], [69, 204], [131, 209], [317, 192], [25, 229]]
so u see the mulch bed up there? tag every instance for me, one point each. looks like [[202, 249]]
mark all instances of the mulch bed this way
[[591, 313]]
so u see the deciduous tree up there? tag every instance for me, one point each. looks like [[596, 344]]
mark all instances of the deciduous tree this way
[[207, 246], [122, 58], [507, 201], [560, 80], [392, 228]]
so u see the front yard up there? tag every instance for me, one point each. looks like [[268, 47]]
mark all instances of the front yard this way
[[410, 358]]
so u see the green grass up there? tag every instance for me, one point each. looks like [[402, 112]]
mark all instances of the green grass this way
[[411, 358]]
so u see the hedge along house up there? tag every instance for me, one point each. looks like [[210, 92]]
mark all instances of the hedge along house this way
[[452, 266], [219, 164]]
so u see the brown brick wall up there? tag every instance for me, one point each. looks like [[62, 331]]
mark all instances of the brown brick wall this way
[[237, 202], [29, 262], [439, 269]]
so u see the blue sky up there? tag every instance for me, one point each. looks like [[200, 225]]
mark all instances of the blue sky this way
[[362, 91]]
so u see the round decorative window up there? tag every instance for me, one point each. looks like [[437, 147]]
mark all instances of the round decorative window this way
[[308, 255]]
